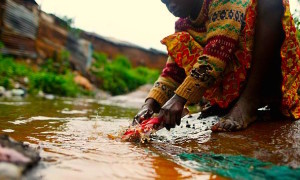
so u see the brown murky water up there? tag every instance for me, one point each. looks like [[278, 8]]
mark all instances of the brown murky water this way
[[74, 140], [74, 137]]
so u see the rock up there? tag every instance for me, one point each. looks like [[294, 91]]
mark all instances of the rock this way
[[83, 82], [12, 156], [100, 94], [41, 94], [2, 90], [7, 94], [49, 96], [17, 85], [18, 92], [10, 171], [15, 158], [26, 80]]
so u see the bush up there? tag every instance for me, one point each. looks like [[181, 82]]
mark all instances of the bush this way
[[51, 83], [47, 79], [59, 65], [9, 68], [149, 74], [118, 76], [1, 46], [11, 71]]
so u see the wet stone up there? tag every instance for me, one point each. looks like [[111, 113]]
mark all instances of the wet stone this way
[[19, 156]]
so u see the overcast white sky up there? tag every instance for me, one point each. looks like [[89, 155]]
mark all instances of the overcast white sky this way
[[142, 22]]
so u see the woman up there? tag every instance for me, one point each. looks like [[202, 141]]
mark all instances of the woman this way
[[235, 54]]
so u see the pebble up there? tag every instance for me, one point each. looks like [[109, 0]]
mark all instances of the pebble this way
[[2, 90], [10, 171], [49, 96], [18, 92]]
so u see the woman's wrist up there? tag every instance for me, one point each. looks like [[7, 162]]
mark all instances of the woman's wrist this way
[[152, 104], [180, 99]]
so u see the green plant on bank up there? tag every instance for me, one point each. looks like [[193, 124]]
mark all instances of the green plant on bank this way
[[118, 76], [1, 45], [68, 23], [297, 21], [59, 64], [52, 83], [46, 80], [11, 72]]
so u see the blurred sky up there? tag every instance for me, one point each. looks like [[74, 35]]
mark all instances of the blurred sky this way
[[142, 22]]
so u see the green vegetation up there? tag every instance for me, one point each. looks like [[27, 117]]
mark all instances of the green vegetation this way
[[118, 76], [52, 83], [46, 79], [59, 64], [11, 71], [54, 76], [297, 21], [68, 23]]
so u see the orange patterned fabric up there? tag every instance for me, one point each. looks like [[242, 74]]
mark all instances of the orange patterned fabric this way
[[210, 39], [290, 66], [221, 40]]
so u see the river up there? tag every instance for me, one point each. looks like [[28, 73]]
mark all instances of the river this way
[[78, 138]]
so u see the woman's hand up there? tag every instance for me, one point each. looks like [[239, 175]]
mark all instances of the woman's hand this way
[[148, 109], [171, 112]]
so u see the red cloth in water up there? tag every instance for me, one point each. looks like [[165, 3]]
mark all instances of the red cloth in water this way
[[142, 130]]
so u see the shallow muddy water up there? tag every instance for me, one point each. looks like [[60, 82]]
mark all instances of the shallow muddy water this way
[[78, 138]]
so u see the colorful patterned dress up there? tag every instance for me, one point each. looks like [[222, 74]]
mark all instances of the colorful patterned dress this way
[[221, 40]]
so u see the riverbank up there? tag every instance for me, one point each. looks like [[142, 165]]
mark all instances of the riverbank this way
[[57, 78]]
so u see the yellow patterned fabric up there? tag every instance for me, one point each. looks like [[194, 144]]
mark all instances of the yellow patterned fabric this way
[[221, 40], [290, 66]]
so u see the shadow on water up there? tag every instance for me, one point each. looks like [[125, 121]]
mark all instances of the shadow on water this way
[[74, 138]]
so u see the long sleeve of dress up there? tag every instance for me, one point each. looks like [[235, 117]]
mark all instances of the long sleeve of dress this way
[[172, 76], [223, 29]]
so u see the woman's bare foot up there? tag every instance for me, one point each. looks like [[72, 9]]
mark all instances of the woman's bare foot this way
[[242, 114], [265, 74]]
